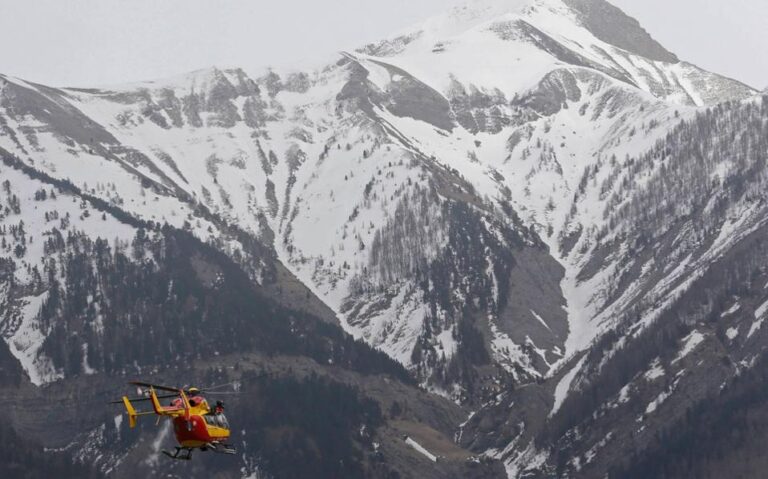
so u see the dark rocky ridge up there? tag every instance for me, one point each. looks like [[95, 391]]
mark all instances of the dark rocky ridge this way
[[612, 25]]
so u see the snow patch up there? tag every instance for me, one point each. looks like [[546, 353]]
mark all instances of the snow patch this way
[[508, 353], [418, 447], [447, 343], [653, 405], [530, 458], [755, 327], [593, 451], [624, 394], [539, 318], [689, 344], [656, 371], [731, 310], [26, 341], [759, 317], [761, 310], [562, 388], [87, 369]]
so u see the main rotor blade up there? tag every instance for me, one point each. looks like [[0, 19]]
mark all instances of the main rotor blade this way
[[162, 396], [218, 386], [155, 386]]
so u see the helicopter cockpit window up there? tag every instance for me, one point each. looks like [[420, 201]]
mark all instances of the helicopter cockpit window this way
[[223, 421], [218, 420]]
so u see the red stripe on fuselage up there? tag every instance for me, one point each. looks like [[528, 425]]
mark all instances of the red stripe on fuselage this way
[[193, 430]]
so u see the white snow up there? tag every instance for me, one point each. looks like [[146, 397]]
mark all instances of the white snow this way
[[418, 447], [736, 306], [654, 405], [564, 386], [520, 460], [590, 455], [756, 325], [624, 394], [396, 329], [447, 343], [87, 369], [539, 318], [732, 333], [761, 310], [507, 353], [26, 341], [655, 371], [689, 344], [22, 330], [759, 319]]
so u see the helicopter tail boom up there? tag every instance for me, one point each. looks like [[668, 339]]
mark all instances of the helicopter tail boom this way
[[131, 412]]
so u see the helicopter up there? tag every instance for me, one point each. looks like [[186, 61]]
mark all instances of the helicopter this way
[[195, 424]]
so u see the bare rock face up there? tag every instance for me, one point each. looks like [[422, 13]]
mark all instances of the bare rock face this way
[[610, 24], [411, 98]]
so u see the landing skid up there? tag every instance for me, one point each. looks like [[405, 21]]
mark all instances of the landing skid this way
[[178, 456], [185, 453], [222, 448]]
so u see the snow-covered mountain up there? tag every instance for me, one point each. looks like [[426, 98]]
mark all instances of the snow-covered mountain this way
[[514, 193]]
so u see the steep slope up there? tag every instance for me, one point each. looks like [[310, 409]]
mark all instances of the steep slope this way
[[255, 200], [373, 144], [83, 314], [686, 317]]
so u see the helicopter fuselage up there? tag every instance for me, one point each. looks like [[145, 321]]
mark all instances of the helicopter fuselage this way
[[201, 427], [200, 430]]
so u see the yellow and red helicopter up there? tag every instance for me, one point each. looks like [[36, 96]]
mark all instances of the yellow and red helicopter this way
[[196, 424]]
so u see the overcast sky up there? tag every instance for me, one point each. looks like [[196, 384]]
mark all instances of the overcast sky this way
[[97, 42]]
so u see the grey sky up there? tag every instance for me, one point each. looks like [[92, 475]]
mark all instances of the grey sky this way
[[95, 42], [729, 37]]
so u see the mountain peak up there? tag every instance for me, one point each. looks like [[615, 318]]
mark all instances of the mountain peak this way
[[512, 44], [469, 15], [601, 19], [604, 20]]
